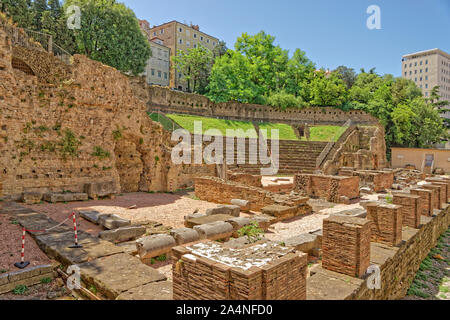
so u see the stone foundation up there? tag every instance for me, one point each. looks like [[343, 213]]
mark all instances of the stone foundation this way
[[386, 224], [377, 180], [204, 272], [330, 188], [346, 245]]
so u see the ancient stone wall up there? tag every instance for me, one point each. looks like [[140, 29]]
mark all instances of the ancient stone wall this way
[[377, 180], [171, 101], [364, 148], [225, 275], [69, 125], [330, 188]]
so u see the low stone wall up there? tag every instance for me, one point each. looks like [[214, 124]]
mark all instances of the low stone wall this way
[[247, 179], [398, 265], [220, 191], [238, 274], [27, 277], [377, 180], [330, 188]]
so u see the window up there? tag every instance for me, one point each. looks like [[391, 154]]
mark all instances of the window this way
[[153, 72], [162, 31], [165, 75], [154, 33], [179, 75], [426, 77], [406, 65], [410, 65], [181, 29], [426, 85], [214, 44], [188, 43], [415, 71], [410, 73], [415, 64], [207, 40], [195, 35], [159, 74], [426, 69], [420, 62], [406, 73], [426, 61], [181, 41], [195, 45], [420, 70], [201, 38]]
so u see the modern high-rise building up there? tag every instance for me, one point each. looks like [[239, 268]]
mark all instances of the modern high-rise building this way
[[179, 36], [428, 69]]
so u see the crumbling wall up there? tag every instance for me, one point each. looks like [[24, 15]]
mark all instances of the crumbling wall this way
[[69, 125], [364, 148], [330, 188]]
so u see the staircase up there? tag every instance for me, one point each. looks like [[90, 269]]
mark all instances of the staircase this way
[[295, 157]]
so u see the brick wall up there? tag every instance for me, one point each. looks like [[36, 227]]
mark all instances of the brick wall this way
[[330, 188], [282, 277], [411, 208], [346, 245], [426, 200], [386, 226]]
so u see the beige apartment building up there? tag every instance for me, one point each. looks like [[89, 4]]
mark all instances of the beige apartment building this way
[[179, 36], [428, 69], [157, 71]]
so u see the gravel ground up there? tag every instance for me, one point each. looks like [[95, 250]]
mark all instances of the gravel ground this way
[[11, 246], [54, 290], [168, 209], [305, 224]]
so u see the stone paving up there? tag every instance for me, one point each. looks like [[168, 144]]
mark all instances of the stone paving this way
[[102, 264]]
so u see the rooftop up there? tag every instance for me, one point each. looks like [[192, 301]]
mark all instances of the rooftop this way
[[427, 52]]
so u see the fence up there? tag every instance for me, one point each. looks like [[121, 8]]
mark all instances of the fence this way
[[168, 124], [35, 40], [331, 144]]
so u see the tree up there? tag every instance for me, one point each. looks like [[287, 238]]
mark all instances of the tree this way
[[348, 75], [231, 80], [220, 49], [327, 90], [299, 71], [285, 100], [195, 65], [110, 33], [19, 11]]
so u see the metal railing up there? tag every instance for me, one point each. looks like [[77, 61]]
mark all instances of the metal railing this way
[[35, 40]]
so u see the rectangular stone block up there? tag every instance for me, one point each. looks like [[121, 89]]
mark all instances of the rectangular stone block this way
[[426, 201], [410, 207], [436, 195], [122, 234], [101, 189], [346, 245], [386, 224]]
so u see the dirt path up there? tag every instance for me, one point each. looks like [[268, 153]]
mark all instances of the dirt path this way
[[432, 282]]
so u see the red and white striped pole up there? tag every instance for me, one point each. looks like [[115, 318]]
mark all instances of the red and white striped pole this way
[[22, 264], [76, 246]]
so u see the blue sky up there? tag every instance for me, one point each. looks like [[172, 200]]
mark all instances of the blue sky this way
[[332, 32]]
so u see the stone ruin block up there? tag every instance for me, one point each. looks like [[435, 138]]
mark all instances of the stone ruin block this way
[[192, 222], [304, 242], [411, 208], [346, 245], [215, 230], [154, 246], [65, 197], [436, 195], [377, 180], [112, 221], [246, 179], [426, 197], [184, 235], [243, 204], [438, 181], [442, 193], [280, 212], [239, 223], [32, 197], [122, 234], [211, 271], [330, 188], [386, 224], [231, 210], [97, 190]]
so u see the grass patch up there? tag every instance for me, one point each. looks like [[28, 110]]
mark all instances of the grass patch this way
[[326, 133], [187, 122], [20, 290], [46, 280], [286, 132]]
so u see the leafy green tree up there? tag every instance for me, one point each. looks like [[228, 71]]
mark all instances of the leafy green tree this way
[[19, 11], [38, 8], [285, 100], [110, 33], [299, 73], [348, 75], [220, 49], [195, 65], [327, 90]]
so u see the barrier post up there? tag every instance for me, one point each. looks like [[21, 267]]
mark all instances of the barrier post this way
[[76, 246], [22, 264]]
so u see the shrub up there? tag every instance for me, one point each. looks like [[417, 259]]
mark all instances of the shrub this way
[[252, 231], [100, 153]]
